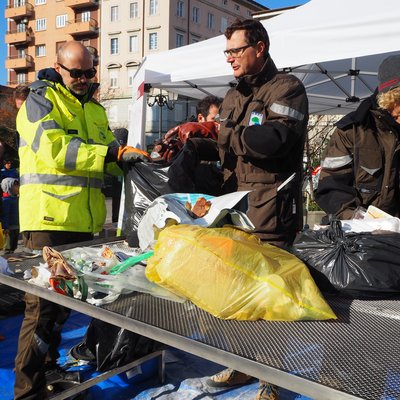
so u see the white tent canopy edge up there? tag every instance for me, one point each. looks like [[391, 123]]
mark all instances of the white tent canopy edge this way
[[335, 48]]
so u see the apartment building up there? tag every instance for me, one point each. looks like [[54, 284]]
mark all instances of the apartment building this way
[[37, 28], [132, 29]]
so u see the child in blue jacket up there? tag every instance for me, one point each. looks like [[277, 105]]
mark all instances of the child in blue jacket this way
[[10, 216]]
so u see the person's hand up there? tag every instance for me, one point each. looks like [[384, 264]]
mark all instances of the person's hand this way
[[132, 154]]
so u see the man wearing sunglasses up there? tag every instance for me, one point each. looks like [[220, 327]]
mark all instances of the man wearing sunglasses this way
[[66, 147], [263, 121]]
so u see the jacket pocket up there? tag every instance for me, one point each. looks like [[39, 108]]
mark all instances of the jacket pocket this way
[[63, 209], [369, 173], [262, 207]]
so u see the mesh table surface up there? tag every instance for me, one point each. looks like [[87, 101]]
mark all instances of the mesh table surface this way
[[357, 355]]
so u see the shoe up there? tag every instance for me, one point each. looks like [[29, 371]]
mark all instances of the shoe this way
[[228, 377], [56, 374], [82, 353], [267, 391]]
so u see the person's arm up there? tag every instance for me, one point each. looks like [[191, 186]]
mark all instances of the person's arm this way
[[336, 193], [286, 114]]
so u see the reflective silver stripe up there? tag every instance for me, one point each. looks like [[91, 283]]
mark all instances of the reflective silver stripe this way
[[370, 171], [285, 110], [59, 197], [42, 126], [72, 153], [336, 162], [62, 180], [41, 344], [22, 142]]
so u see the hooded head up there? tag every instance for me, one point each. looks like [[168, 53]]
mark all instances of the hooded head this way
[[389, 73], [7, 185]]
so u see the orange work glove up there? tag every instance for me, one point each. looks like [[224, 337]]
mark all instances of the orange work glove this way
[[132, 154]]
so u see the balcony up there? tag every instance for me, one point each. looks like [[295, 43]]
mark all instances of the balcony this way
[[18, 38], [80, 27], [22, 11], [19, 63], [81, 3]]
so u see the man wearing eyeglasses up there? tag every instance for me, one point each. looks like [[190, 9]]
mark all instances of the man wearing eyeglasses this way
[[65, 148], [263, 122]]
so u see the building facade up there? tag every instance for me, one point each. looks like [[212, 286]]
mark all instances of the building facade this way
[[132, 29], [37, 28]]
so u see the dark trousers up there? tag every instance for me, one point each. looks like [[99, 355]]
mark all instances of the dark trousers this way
[[40, 332]]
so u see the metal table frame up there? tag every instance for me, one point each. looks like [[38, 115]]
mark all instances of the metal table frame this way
[[295, 381]]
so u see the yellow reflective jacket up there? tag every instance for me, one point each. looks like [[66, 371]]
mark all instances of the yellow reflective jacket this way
[[63, 144]]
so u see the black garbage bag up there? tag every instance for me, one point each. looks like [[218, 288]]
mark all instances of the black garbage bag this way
[[144, 182], [361, 265], [114, 347]]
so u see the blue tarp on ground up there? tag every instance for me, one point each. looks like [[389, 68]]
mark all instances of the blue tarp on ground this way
[[185, 374]]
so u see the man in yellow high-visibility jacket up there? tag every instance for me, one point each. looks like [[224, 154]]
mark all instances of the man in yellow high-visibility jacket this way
[[65, 148]]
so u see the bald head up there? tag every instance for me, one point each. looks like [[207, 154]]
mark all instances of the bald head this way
[[75, 56], [73, 51]]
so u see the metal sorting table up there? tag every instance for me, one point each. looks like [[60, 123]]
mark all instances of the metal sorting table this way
[[355, 356]]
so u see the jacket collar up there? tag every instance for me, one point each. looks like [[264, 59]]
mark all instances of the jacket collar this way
[[50, 74], [267, 72]]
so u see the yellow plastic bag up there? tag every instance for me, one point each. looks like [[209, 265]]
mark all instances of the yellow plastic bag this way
[[233, 275]]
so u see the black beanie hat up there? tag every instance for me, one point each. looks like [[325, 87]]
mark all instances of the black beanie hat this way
[[121, 134], [389, 73]]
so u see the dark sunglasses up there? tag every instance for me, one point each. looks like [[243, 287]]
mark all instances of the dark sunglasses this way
[[77, 73]]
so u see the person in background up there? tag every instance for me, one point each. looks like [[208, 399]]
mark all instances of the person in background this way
[[8, 171], [207, 109], [361, 163], [9, 218], [66, 146], [21, 92], [263, 122]]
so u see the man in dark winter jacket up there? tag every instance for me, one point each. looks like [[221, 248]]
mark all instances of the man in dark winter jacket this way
[[262, 134], [361, 163]]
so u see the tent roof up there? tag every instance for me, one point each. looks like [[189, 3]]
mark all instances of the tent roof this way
[[335, 48]]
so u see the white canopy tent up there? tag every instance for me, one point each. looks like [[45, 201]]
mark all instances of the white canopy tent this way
[[335, 48]]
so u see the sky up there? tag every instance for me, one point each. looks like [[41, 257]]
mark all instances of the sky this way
[[272, 4]]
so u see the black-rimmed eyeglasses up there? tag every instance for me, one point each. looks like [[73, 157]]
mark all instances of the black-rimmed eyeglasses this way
[[238, 51], [77, 73]]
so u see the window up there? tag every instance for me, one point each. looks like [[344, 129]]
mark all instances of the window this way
[[19, 3], [210, 21], [21, 78], [180, 11], [114, 46], [133, 44], [40, 24], [194, 40], [131, 75], [61, 20], [224, 24], [113, 73], [85, 16], [59, 44], [40, 50], [134, 10], [21, 53], [21, 28], [196, 14], [179, 40], [224, 2], [153, 7], [39, 2], [114, 13], [237, 7], [152, 41]]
